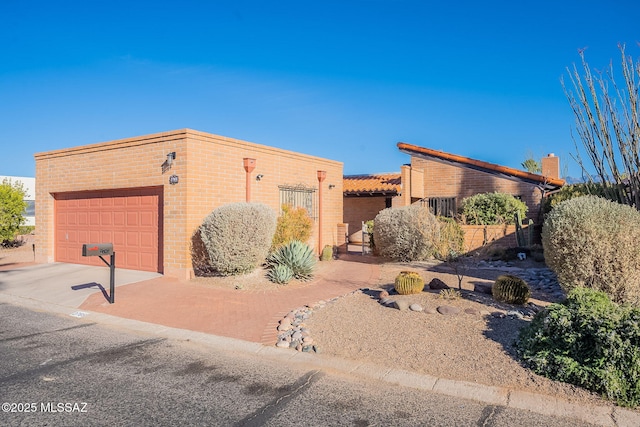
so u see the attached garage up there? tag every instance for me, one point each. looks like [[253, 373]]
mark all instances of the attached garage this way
[[148, 195], [128, 218]]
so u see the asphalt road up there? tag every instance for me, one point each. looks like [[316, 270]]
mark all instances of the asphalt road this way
[[58, 370]]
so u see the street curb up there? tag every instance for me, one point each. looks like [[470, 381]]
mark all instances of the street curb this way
[[608, 416]]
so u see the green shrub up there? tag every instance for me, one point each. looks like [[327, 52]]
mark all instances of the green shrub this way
[[298, 256], [293, 224], [592, 242], [12, 206], [408, 282], [511, 289], [492, 209], [408, 233], [237, 236], [281, 274], [588, 341], [571, 191], [451, 240]]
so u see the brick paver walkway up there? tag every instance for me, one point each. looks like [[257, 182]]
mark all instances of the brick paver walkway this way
[[250, 316]]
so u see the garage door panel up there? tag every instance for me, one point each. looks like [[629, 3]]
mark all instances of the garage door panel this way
[[119, 219], [127, 218]]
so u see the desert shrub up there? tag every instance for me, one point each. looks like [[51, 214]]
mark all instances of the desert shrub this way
[[450, 294], [237, 236], [293, 224], [588, 341], [451, 240], [592, 242], [408, 282], [369, 229], [296, 255], [408, 233], [491, 209]]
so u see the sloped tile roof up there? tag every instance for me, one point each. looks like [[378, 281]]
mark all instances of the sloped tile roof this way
[[372, 184], [548, 183]]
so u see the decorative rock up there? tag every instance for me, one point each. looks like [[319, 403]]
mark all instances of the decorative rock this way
[[415, 307], [282, 344], [498, 315], [515, 313], [306, 348], [472, 311], [448, 310], [437, 284], [297, 335], [430, 310], [383, 295], [401, 305], [483, 288], [386, 301], [284, 327]]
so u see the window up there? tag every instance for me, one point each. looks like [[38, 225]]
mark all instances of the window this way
[[299, 196], [31, 208], [440, 206]]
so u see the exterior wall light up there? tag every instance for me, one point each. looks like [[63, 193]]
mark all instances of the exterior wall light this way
[[259, 177], [332, 186], [170, 158]]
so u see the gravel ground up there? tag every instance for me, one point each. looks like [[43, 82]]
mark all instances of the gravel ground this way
[[474, 347]]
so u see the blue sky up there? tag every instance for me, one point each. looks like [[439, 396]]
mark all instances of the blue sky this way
[[345, 80]]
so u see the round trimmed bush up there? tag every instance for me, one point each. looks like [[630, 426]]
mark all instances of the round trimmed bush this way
[[592, 242], [238, 236], [492, 208], [409, 233]]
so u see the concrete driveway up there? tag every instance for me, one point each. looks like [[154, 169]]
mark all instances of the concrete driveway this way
[[65, 284]]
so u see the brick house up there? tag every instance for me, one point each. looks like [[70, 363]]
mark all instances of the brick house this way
[[441, 180], [148, 195]]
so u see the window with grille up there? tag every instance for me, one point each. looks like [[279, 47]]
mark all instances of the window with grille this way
[[299, 197], [441, 206]]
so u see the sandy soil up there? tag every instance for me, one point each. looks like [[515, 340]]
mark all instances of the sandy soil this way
[[470, 347], [477, 347]]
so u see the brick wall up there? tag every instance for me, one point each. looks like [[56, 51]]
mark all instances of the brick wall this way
[[211, 173], [442, 180]]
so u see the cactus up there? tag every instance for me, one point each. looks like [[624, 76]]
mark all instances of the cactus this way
[[298, 256], [281, 274], [327, 253], [408, 282], [511, 289]]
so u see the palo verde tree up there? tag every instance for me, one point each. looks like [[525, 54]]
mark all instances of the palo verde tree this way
[[12, 206], [607, 122]]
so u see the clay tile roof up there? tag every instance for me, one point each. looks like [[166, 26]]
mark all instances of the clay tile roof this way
[[545, 182], [372, 184]]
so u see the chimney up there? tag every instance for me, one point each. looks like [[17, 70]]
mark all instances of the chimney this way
[[551, 166]]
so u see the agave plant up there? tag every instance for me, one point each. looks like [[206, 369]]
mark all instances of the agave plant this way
[[298, 256], [281, 274]]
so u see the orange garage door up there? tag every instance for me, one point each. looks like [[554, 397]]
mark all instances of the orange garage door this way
[[130, 219]]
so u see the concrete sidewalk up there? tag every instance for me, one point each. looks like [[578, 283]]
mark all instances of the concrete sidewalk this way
[[231, 320]]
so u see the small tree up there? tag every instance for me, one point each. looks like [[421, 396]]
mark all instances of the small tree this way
[[12, 207], [531, 165], [607, 120]]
